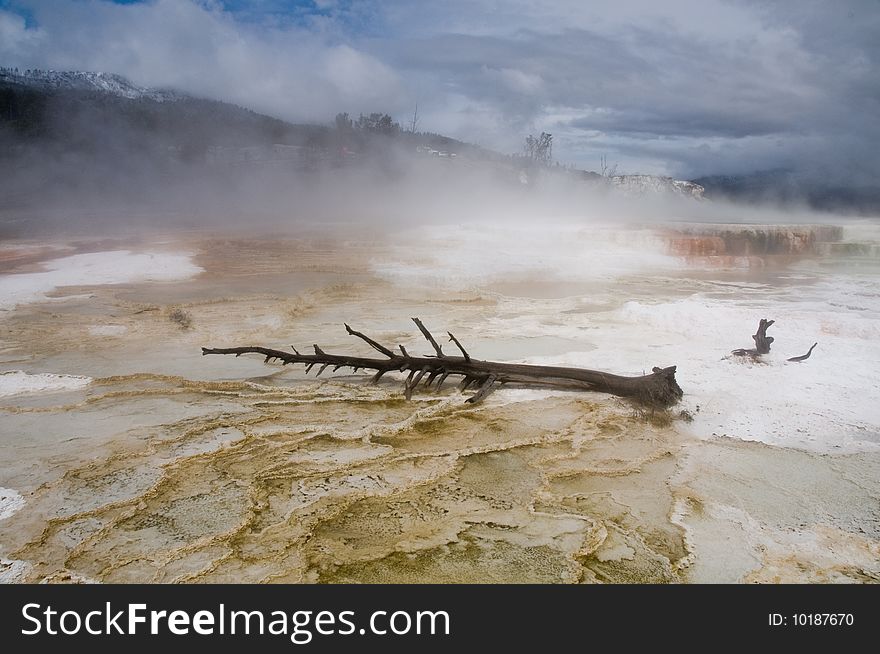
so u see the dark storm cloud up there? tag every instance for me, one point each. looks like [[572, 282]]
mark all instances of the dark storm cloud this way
[[644, 85], [631, 85], [706, 87]]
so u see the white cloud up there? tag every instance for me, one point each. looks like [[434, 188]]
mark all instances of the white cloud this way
[[516, 80], [15, 39], [286, 71]]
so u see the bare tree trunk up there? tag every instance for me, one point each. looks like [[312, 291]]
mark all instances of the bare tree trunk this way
[[658, 388], [762, 341]]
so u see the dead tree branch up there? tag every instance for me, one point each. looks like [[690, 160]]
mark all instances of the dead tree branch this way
[[377, 346], [428, 336], [804, 357], [459, 346], [658, 388]]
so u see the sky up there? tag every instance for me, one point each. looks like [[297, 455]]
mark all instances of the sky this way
[[682, 87]]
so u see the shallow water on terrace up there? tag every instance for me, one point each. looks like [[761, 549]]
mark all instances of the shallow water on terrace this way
[[170, 466]]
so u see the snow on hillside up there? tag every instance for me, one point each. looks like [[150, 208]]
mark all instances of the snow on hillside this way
[[84, 81], [651, 184]]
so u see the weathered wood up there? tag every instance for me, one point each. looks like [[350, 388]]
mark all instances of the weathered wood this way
[[460, 347], [762, 341], [806, 356], [658, 388], [484, 390], [373, 344], [429, 336]]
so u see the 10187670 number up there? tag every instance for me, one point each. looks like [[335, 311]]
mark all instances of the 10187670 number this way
[[811, 620]]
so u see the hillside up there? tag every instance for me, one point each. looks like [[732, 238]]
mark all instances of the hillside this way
[[83, 141], [103, 113], [54, 80], [95, 113]]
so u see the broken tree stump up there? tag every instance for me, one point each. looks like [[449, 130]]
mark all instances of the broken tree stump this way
[[656, 389], [762, 341], [762, 344]]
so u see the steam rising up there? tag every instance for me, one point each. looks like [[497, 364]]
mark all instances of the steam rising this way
[[103, 163]]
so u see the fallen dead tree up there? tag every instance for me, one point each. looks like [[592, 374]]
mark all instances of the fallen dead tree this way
[[656, 389]]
